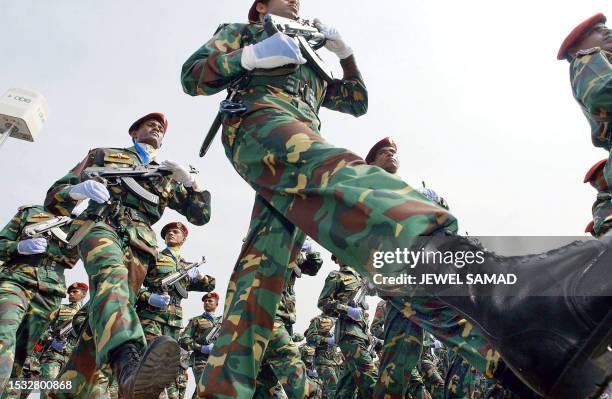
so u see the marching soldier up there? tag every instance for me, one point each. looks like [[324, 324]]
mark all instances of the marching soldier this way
[[320, 336], [32, 286], [160, 311], [602, 207], [282, 363], [355, 210], [338, 299], [117, 246], [199, 336]]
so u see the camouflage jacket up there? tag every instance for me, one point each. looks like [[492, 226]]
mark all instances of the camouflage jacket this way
[[286, 308], [195, 334], [217, 63], [602, 213], [591, 79], [340, 286], [321, 328], [135, 216], [173, 314], [62, 317], [43, 272], [378, 321]]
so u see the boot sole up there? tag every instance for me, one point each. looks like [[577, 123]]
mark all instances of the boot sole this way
[[158, 368], [589, 372]]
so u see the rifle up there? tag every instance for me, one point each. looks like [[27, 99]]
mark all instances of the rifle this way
[[61, 334], [213, 334], [307, 35], [110, 176], [359, 298], [48, 228], [173, 279], [373, 345]]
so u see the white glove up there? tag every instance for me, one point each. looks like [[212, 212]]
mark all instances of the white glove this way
[[90, 189], [334, 42], [272, 52], [354, 313], [32, 246], [195, 274], [179, 173], [307, 247]]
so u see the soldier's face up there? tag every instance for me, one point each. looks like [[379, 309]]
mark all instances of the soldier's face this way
[[599, 36], [149, 132], [210, 305], [75, 296], [386, 158], [174, 237], [599, 182], [282, 8]]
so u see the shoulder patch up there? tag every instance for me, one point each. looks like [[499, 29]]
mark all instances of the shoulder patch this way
[[333, 273], [588, 51]]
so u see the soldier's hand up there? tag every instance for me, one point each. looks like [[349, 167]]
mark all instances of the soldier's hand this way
[[159, 300], [206, 349], [331, 340], [355, 313], [273, 52], [307, 247], [179, 173], [32, 246], [58, 345], [195, 274], [91, 189], [334, 42]]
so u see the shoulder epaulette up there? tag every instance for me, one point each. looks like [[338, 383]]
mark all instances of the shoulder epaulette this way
[[588, 51], [24, 207]]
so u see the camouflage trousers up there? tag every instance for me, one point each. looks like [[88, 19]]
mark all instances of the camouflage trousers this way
[[24, 317], [153, 329], [329, 378], [330, 194], [401, 353], [116, 272], [198, 365], [282, 364], [360, 373], [463, 381]]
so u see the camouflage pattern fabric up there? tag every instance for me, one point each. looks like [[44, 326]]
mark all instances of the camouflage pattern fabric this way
[[328, 192], [192, 339], [602, 213], [463, 381], [31, 290], [321, 327], [116, 254], [403, 343]]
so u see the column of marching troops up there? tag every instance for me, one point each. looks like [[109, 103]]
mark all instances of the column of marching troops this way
[[125, 340]]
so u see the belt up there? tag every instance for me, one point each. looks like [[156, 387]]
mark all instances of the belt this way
[[289, 84]]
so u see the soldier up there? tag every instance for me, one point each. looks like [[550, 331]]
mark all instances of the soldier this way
[[282, 356], [183, 377], [602, 207], [117, 246], [320, 336], [355, 211], [32, 286], [160, 311], [338, 299], [197, 336]]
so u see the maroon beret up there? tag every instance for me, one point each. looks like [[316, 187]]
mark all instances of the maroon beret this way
[[589, 228], [174, 225], [78, 286], [577, 33], [386, 142], [210, 295], [594, 170], [158, 116], [253, 13]]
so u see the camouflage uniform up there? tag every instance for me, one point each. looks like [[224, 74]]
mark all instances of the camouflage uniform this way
[[433, 377], [282, 355], [329, 193], [403, 342], [117, 253], [194, 337], [31, 290], [183, 377], [351, 336], [167, 321], [324, 359], [463, 381]]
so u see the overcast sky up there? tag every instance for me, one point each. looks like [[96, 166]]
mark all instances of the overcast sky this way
[[471, 91]]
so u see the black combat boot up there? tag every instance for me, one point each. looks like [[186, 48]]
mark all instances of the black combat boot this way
[[146, 376], [553, 327]]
